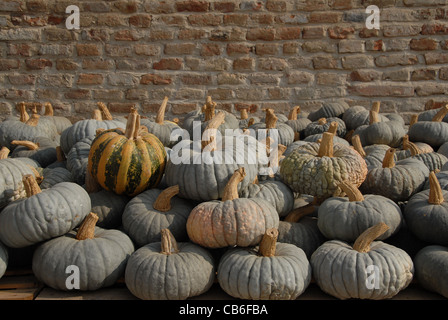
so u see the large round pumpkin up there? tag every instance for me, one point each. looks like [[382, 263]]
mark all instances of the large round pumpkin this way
[[44, 214], [271, 271], [100, 256], [127, 162], [233, 220], [317, 168], [368, 269], [168, 270]]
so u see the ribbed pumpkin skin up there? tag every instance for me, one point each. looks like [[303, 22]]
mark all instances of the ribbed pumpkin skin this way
[[109, 208], [3, 259], [241, 222], [161, 130], [342, 272], [244, 274], [427, 221], [398, 183], [143, 223], [430, 132], [433, 160], [45, 215], [357, 116], [126, 166], [331, 109], [341, 219], [304, 234], [275, 192], [316, 128], [12, 171], [431, 268], [152, 275], [306, 173], [16, 130], [386, 132], [44, 155], [101, 261], [78, 158], [55, 176]]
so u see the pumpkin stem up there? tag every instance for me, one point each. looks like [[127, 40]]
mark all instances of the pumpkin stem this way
[[163, 201], [322, 121], [415, 150], [104, 111], [435, 191], [293, 113], [24, 116], [405, 142], [168, 242], [31, 185], [298, 213], [209, 109], [268, 243], [4, 152], [351, 191], [60, 155], [243, 114], [250, 122], [376, 106], [333, 127], [326, 145], [33, 120], [48, 109], [388, 160], [28, 144], [87, 228], [96, 115], [160, 118], [373, 117], [209, 135], [365, 239], [271, 119], [231, 188], [441, 114], [414, 120], [357, 145], [132, 124]]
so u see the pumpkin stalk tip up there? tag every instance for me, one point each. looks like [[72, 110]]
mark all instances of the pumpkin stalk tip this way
[[160, 118], [163, 201], [357, 145], [294, 113], [373, 118], [168, 242], [31, 185], [271, 119], [326, 145], [435, 191], [351, 191], [365, 239], [231, 189], [4, 152], [210, 132], [105, 113], [87, 228], [440, 114], [268, 243], [388, 160]]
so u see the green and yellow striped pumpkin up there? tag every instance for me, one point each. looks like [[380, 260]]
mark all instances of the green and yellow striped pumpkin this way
[[127, 161]]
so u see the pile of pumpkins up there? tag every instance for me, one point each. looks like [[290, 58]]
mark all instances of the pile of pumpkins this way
[[353, 199]]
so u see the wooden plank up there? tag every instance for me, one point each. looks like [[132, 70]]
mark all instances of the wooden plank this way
[[112, 293], [19, 282], [19, 294]]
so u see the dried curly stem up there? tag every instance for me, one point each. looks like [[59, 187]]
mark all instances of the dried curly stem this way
[[326, 145], [231, 188], [25, 143], [168, 243], [268, 243], [435, 191], [104, 111], [388, 160], [440, 114], [365, 239], [163, 201], [160, 118], [24, 116], [87, 228], [31, 185], [351, 191]]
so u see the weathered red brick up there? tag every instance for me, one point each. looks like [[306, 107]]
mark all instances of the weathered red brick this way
[[88, 49], [90, 79], [38, 64], [155, 79], [168, 64], [423, 44], [192, 6]]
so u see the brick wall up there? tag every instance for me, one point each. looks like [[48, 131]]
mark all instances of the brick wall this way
[[274, 53]]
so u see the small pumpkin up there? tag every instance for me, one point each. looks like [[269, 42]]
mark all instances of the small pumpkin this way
[[162, 128], [317, 168], [332, 128], [426, 213], [233, 220], [169, 270], [100, 254], [433, 160], [53, 176], [300, 228], [345, 218], [49, 213], [153, 210], [434, 132], [328, 110], [368, 269], [373, 155], [357, 116], [271, 271], [431, 268], [127, 162], [396, 180]]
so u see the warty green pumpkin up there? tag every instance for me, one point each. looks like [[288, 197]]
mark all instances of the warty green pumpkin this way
[[127, 161]]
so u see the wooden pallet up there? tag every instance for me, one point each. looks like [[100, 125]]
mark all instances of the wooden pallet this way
[[19, 284]]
